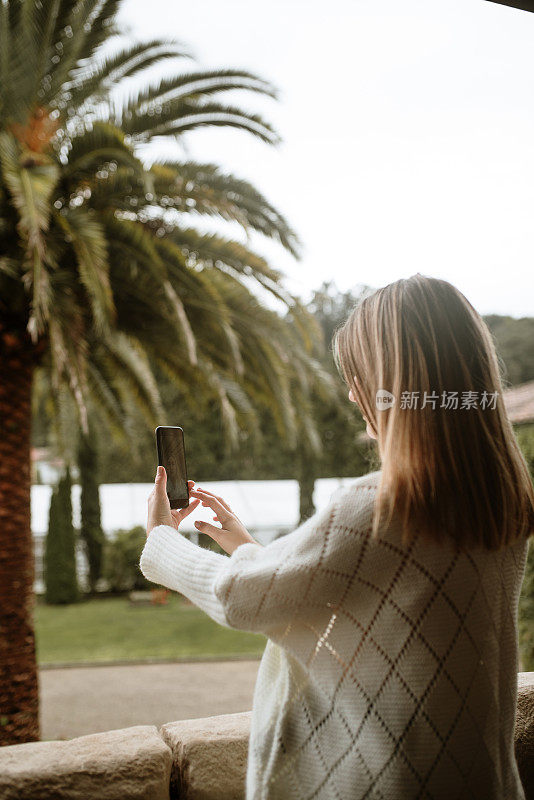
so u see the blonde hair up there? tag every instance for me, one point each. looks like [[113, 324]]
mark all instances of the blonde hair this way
[[448, 473]]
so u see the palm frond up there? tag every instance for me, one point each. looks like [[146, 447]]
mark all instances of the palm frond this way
[[63, 414], [206, 189], [69, 364], [5, 45], [72, 40], [198, 285], [31, 189], [120, 189], [102, 142], [96, 78], [307, 325], [228, 412], [194, 86], [101, 28], [106, 397], [129, 370], [210, 248], [84, 231], [64, 12], [179, 116], [132, 239], [22, 36], [189, 336], [46, 50]]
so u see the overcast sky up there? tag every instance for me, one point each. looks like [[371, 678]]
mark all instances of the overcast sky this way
[[408, 133]]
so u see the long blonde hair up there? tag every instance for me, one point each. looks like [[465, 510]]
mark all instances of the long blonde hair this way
[[447, 473]]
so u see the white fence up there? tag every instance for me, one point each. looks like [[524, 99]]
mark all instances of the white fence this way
[[266, 508]]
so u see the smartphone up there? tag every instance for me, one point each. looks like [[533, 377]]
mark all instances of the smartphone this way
[[171, 455]]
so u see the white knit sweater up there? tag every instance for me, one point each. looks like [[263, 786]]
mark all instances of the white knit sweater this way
[[390, 671]]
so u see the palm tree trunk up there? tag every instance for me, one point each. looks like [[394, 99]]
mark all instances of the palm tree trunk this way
[[19, 702]]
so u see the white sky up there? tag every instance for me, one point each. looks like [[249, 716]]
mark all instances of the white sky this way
[[408, 133]]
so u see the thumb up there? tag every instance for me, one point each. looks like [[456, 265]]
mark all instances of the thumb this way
[[161, 478]]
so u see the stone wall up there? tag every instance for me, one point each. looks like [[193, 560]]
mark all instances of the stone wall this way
[[524, 732], [196, 759]]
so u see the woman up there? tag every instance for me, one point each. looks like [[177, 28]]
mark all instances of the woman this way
[[390, 669]]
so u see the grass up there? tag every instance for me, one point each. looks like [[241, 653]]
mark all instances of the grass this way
[[112, 629]]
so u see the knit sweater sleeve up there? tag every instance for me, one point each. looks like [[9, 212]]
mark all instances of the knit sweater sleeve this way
[[257, 588]]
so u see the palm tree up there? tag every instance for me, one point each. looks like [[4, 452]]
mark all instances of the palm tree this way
[[101, 273]]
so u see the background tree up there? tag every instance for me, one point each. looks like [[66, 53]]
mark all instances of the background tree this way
[[514, 339], [61, 585], [91, 531], [341, 451], [133, 458], [100, 272]]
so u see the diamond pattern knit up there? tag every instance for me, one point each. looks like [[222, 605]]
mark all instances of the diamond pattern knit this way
[[390, 671]]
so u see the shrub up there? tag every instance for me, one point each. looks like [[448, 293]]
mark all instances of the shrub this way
[[91, 529], [121, 560], [59, 567]]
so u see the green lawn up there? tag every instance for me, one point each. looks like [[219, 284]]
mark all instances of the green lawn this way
[[111, 629]]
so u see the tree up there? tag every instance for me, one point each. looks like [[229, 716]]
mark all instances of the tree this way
[[513, 338], [60, 547], [91, 529], [338, 423], [100, 279]]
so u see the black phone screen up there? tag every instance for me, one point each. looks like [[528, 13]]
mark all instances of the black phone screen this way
[[171, 455]]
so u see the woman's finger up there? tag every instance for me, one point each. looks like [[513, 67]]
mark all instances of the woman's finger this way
[[216, 496], [207, 527], [220, 499], [181, 513], [213, 503]]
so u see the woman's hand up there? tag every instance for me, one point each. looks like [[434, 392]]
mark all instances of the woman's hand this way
[[233, 532], [159, 508]]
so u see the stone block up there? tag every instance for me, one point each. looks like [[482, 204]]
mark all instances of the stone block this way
[[128, 764], [524, 732], [209, 756]]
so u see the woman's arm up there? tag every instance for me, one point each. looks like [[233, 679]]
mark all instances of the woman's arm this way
[[169, 559], [298, 576]]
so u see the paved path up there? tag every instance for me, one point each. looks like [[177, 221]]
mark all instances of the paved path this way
[[80, 700]]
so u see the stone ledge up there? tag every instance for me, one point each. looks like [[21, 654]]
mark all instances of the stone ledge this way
[[209, 756], [195, 759], [524, 732], [131, 763]]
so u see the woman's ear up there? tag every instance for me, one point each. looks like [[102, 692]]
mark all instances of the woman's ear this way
[[351, 394], [369, 430]]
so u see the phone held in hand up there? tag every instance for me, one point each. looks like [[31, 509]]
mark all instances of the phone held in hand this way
[[171, 455]]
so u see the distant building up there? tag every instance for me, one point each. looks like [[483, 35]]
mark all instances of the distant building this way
[[519, 402], [46, 468]]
